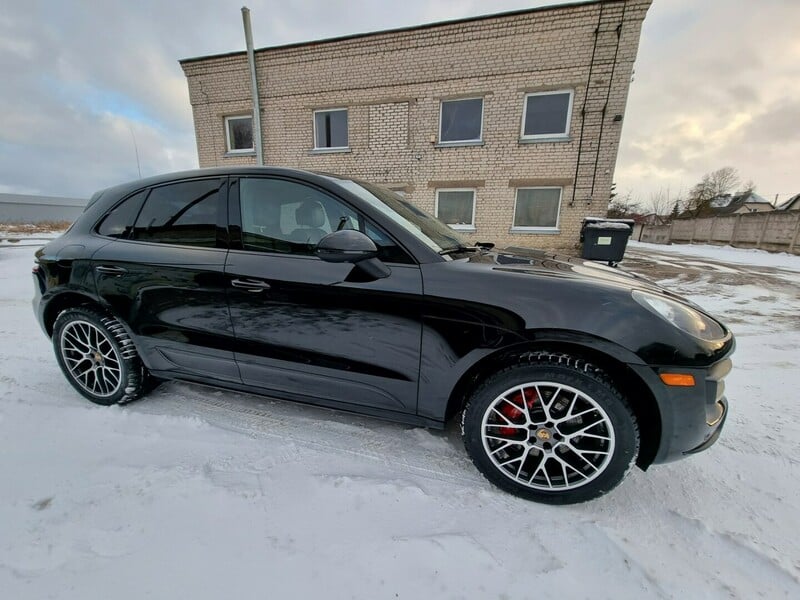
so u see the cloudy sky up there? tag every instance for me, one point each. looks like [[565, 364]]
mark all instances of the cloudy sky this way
[[717, 84]]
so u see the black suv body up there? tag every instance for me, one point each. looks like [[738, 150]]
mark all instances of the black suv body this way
[[325, 290]]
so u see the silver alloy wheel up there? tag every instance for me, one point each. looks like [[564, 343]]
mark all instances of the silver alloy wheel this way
[[91, 358], [547, 436]]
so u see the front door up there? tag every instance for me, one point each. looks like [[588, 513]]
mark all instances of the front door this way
[[304, 328]]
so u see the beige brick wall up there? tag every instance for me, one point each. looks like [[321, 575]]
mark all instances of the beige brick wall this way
[[392, 84]]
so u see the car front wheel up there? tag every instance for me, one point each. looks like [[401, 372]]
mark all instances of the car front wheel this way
[[552, 429]]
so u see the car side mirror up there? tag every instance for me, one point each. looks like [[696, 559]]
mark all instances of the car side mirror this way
[[347, 245], [351, 246]]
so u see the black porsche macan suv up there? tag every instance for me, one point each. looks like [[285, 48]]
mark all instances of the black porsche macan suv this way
[[325, 290]]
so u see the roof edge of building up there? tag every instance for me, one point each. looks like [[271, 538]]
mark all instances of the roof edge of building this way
[[342, 38]]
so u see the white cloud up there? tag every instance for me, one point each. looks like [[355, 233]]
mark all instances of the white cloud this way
[[717, 84]]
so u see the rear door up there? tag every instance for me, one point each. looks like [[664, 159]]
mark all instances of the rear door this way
[[310, 329], [164, 276]]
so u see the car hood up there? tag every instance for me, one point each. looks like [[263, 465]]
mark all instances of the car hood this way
[[542, 263]]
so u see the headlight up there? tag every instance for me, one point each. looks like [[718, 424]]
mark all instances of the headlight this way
[[681, 316]]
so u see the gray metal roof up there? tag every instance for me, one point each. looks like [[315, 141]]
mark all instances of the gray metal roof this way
[[42, 200], [794, 200]]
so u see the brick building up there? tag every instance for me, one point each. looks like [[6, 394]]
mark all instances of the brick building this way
[[506, 126]]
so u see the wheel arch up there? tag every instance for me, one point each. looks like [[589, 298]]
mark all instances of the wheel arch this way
[[65, 300], [626, 380]]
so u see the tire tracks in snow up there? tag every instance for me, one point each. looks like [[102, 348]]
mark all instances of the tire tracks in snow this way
[[411, 450]]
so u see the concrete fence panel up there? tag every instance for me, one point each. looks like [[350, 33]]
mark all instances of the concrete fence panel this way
[[682, 230], [782, 227], [750, 228], [656, 234], [724, 228], [776, 231], [702, 230]]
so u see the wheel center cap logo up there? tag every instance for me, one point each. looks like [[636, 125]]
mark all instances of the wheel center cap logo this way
[[543, 434]]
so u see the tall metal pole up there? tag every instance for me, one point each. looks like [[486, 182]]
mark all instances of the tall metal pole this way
[[136, 149], [251, 59]]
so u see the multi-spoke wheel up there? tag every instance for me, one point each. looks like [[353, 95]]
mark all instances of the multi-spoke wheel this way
[[97, 357], [91, 358], [553, 431]]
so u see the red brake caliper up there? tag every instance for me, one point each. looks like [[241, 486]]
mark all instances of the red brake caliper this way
[[513, 412]]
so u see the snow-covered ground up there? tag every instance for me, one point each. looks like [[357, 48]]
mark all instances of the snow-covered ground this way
[[196, 493], [740, 256]]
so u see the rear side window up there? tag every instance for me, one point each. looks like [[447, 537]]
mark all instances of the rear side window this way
[[181, 213], [119, 222]]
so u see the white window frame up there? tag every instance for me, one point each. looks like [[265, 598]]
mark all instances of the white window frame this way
[[477, 140], [230, 149], [459, 226], [525, 229], [547, 136], [331, 148]]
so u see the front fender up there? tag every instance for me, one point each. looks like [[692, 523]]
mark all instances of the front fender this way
[[453, 351]]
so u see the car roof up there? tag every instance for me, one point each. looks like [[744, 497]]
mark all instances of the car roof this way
[[123, 188]]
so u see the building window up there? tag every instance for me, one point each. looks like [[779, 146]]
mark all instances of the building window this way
[[456, 208], [547, 115], [461, 121], [537, 209], [239, 133], [330, 129]]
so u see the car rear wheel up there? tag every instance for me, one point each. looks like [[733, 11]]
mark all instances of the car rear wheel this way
[[553, 429], [97, 356]]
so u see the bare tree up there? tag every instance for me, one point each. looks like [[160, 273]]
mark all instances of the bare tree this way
[[712, 185], [663, 201], [660, 201], [622, 206]]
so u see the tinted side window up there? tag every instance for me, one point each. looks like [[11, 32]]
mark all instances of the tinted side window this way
[[119, 222], [291, 218], [181, 213]]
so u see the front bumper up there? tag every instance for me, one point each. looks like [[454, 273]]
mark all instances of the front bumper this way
[[692, 418], [723, 407]]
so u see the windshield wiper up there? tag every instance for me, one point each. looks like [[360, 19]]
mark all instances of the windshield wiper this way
[[458, 249]]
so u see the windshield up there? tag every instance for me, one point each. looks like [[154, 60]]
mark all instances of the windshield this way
[[425, 227]]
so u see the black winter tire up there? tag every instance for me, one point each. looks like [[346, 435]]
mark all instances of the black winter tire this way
[[98, 357], [552, 429]]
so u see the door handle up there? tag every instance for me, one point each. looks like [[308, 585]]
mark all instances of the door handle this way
[[110, 270], [251, 285]]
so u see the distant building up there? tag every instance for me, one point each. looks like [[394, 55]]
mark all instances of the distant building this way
[[24, 208], [746, 202], [506, 126]]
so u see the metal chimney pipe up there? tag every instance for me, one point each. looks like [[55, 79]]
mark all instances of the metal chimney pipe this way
[[251, 59]]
